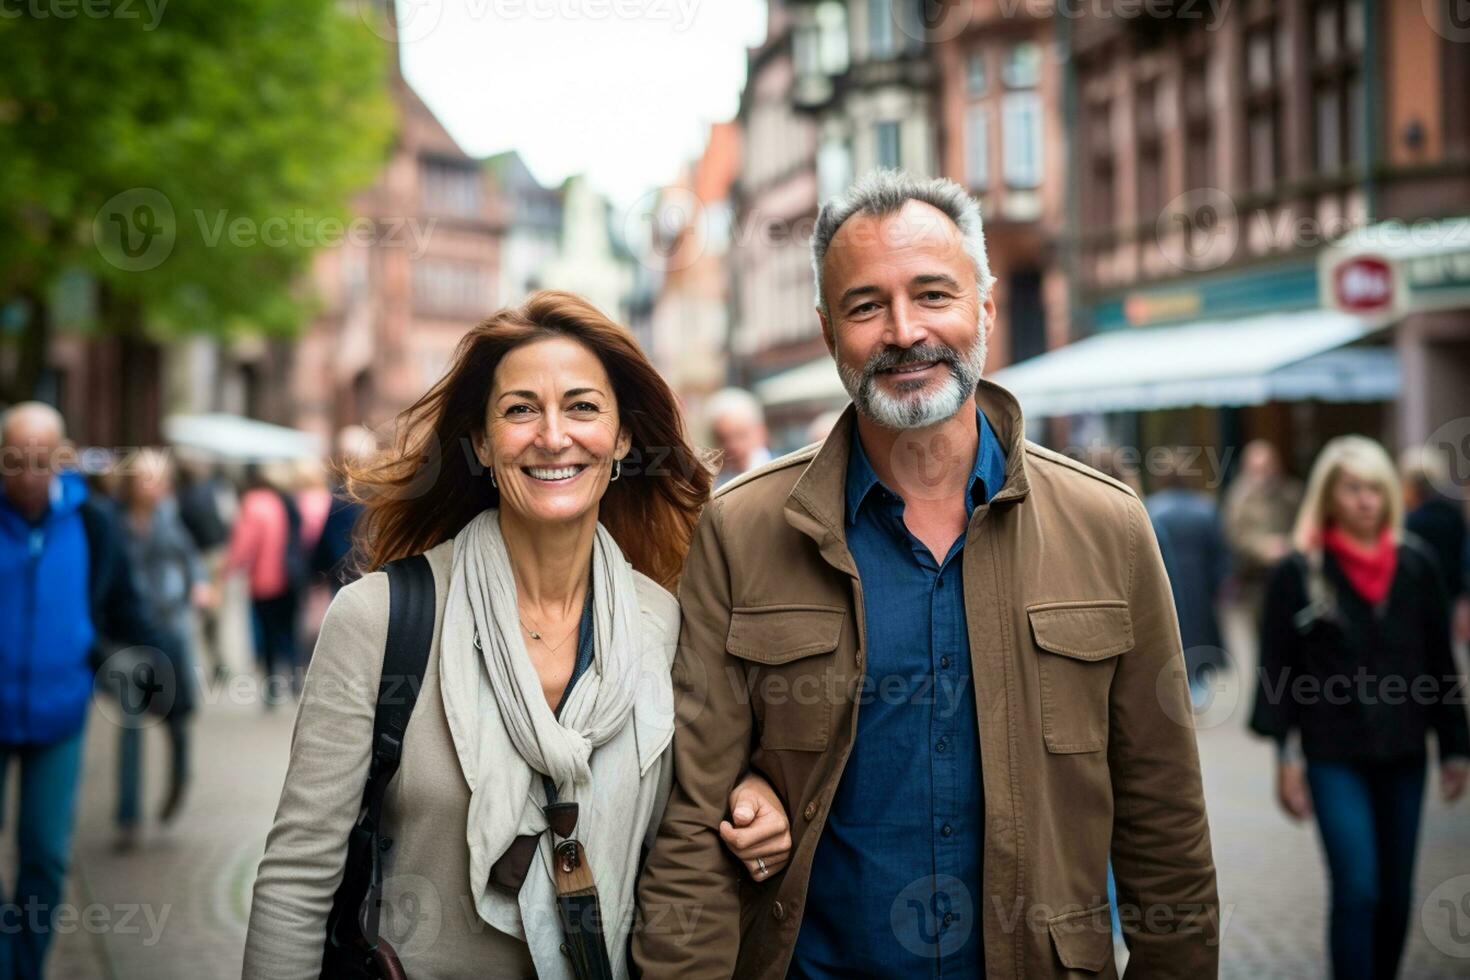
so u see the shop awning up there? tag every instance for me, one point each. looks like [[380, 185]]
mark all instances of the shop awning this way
[[1276, 357], [815, 382], [234, 438]]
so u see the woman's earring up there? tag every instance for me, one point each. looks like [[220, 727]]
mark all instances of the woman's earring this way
[[492, 479], [617, 470]]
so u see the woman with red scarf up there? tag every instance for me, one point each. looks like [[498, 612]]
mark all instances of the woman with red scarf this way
[[1356, 670]]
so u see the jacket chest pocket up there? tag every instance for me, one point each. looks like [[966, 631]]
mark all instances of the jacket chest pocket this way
[[1077, 648], [788, 655]]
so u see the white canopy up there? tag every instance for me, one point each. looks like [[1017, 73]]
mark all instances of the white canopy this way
[[1274, 357], [814, 381], [235, 438]]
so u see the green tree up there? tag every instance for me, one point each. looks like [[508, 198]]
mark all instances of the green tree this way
[[185, 156]]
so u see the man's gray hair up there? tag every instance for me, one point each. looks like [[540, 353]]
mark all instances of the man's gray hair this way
[[884, 192]]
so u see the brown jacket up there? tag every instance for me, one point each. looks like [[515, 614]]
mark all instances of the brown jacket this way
[[1086, 733]]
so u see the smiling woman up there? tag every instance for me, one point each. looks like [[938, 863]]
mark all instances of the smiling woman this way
[[548, 487], [436, 480]]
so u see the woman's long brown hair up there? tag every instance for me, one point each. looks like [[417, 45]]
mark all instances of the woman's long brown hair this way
[[431, 484]]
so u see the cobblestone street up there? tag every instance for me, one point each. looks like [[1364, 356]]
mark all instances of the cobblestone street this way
[[193, 880]]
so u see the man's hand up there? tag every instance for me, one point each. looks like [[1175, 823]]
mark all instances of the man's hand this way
[[1291, 790], [757, 832]]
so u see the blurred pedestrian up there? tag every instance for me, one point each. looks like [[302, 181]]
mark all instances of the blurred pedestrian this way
[[313, 499], [1260, 506], [65, 586], [738, 424], [1196, 561], [173, 582], [207, 505], [820, 427], [1439, 522], [1356, 670], [266, 546], [333, 552]]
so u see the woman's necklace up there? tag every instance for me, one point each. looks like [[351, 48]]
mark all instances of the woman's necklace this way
[[536, 633]]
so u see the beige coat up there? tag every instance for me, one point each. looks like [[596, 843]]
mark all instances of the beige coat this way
[[1086, 733], [428, 911]]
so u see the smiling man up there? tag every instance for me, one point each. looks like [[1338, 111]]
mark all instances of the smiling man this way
[[953, 652]]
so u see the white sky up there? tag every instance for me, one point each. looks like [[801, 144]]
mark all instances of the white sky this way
[[623, 91]]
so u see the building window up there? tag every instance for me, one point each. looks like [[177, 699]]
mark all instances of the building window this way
[[887, 151], [1098, 189], [1199, 128], [1263, 77], [819, 43], [976, 81], [1337, 92], [806, 52], [1022, 67], [448, 187], [447, 288], [1027, 314], [1151, 178], [834, 168], [1021, 139], [832, 35], [977, 147], [882, 38]]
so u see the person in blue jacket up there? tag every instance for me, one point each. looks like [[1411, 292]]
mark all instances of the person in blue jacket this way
[[65, 584]]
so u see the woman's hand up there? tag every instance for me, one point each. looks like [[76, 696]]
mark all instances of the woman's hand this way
[[757, 832], [1453, 774], [1291, 790]]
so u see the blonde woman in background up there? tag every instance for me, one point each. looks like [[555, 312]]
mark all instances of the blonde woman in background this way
[[1356, 670]]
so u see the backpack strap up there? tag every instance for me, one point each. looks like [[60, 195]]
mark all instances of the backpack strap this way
[[410, 633], [356, 907]]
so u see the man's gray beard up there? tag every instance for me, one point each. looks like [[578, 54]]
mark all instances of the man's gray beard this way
[[915, 411]]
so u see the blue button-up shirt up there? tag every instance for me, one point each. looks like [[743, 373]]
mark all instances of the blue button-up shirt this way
[[895, 886]]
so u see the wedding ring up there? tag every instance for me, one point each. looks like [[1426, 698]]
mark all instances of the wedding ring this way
[[760, 865]]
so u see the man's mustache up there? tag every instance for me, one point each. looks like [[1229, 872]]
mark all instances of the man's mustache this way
[[896, 357]]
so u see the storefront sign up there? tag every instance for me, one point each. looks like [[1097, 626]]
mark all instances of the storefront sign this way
[[1363, 285]]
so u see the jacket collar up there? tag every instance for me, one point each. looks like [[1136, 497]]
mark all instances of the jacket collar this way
[[816, 504], [986, 475]]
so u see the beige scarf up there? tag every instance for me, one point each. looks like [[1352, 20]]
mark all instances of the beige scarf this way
[[506, 735]]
